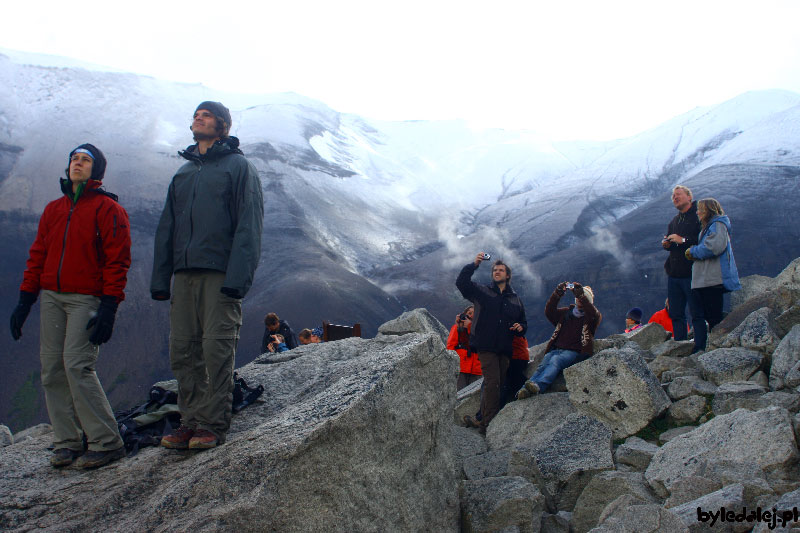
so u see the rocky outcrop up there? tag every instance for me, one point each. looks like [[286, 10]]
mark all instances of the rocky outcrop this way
[[785, 358], [631, 514], [755, 333], [603, 489], [729, 438], [729, 364], [352, 435], [635, 453], [616, 387], [500, 504]]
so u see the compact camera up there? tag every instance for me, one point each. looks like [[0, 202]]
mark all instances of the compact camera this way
[[486, 257], [570, 285], [463, 317]]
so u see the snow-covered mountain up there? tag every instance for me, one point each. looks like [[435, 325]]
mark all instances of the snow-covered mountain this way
[[365, 218]]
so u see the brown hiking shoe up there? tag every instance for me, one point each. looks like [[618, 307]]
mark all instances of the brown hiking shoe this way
[[178, 439], [94, 459], [470, 422], [203, 439], [64, 456]]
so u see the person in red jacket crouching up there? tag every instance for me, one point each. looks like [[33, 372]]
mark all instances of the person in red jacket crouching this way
[[470, 367], [79, 262]]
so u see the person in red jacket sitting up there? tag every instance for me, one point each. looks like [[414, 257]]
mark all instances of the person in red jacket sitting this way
[[79, 262], [458, 341], [662, 317]]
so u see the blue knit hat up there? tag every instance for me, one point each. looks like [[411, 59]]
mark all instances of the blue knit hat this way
[[635, 314]]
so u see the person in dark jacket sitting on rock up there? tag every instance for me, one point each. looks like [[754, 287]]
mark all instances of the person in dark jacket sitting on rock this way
[[572, 340], [275, 325], [499, 316]]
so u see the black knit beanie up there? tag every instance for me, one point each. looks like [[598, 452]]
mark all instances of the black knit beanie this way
[[98, 164], [218, 110]]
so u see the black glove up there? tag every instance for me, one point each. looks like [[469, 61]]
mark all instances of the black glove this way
[[103, 321], [160, 295], [577, 289], [26, 300], [233, 293], [561, 288]]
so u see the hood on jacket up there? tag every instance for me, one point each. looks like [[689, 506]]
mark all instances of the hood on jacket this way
[[221, 147], [91, 185], [98, 161]]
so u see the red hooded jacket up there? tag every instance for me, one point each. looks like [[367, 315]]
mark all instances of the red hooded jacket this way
[[82, 247], [469, 359]]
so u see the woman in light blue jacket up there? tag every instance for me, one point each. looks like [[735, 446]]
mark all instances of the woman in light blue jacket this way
[[713, 269]]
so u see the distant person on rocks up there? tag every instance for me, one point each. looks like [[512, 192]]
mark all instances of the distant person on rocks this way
[[208, 243], [633, 320], [499, 316], [79, 262], [713, 269], [662, 317], [458, 340], [273, 324], [310, 336], [572, 340], [682, 233], [277, 345]]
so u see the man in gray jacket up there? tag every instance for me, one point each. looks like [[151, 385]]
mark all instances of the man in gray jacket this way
[[209, 238]]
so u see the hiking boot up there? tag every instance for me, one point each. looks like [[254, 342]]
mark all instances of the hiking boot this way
[[95, 459], [470, 422], [532, 387], [529, 389], [178, 439], [64, 457], [202, 440]]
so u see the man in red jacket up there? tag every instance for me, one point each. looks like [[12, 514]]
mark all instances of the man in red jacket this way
[[79, 262]]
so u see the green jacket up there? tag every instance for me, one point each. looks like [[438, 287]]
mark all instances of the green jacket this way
[[212, 219]]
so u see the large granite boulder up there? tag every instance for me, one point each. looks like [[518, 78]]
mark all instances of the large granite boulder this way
[[666, 363], [616, 387], [779, 299], [635, 453], [563, 461], [754, 333], [673, 348], [764, 438], [729, 364], [352, 435], [488, 464], [648, 335], [416, 321], [752, 286], [749, 395], [525, 421], [784, 358], [603, 489], [687, 410], [730, 497], [629, 514], [684, 386], [468, 401], [785, 321], [499, 504]]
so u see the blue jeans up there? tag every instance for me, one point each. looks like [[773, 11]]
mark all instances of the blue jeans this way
[[679, 292], [552, 364]]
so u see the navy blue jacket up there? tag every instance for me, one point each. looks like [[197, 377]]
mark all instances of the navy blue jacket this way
[[495, 312]]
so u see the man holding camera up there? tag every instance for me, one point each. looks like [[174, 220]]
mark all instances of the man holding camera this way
[[499, 316], [572, 340]]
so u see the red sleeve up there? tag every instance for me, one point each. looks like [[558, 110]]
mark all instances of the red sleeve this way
[[116, 237], [31, 279], [452, 340]]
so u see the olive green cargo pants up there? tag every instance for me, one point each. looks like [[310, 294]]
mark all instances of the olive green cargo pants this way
[[204, 331], [75, 399]]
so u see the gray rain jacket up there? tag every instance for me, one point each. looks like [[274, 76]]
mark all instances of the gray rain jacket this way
[[212, 219]]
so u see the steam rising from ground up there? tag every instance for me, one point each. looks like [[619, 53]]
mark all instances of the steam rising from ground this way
[[604, 240], [461, 249]]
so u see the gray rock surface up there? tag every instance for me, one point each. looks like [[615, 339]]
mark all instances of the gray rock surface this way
[[356, 431], [671, 375], [786, 502], [784, 322], [788, 400], [729, 364], [690, 488], [6, 438], [467, 442], [784, 358], [648, 335], [684, 386], [635, 452], [468, 401], [487, 464], [33, 432], [730, 497], [761, 378], [673, 348], [665, 363], [730, 394], [616, 387], [415, 321], [495, 504], [603, 489], [525, 421], [628, 514], [556, 523], [755, 333], [752, 286], [764, 438], [563, 461], [674, 433], [687, 410]]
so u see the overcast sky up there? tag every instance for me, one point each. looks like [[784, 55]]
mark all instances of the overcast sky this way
[[567, 69]]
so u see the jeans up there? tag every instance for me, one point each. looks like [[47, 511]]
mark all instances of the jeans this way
[[679, 292], [552, 364], [710, 300]]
